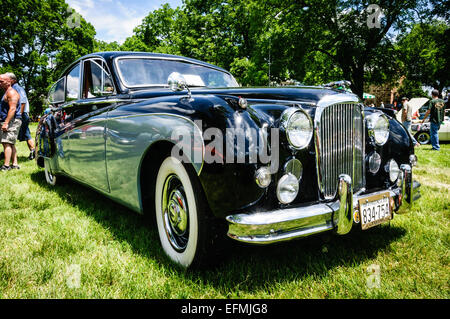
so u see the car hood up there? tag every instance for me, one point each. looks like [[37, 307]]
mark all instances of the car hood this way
[[307, 94]]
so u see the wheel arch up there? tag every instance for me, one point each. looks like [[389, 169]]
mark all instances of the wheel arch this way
[[153, 157]]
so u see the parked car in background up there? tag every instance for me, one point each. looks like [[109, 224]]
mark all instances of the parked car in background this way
[[417, 105], [178, 139], [421, 131]]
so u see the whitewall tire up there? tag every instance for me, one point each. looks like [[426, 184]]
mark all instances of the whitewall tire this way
[[49, 176], [423, 138], [180, 218]]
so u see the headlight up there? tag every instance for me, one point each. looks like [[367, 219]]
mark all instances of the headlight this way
[[378, 126], [287, 188], [393, 170], [298, 127]]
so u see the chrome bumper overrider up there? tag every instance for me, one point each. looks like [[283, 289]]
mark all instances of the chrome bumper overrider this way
[[285, 224]]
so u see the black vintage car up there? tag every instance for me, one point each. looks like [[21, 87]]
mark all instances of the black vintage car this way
[[179, 139]]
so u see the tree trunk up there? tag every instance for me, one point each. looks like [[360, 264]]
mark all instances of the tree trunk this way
[[357, 79]]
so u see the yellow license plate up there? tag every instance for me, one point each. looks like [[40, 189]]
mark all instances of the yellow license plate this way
[[374, 210]]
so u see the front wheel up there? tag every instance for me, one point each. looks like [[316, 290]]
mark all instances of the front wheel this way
[[181, 215], [423, 137]]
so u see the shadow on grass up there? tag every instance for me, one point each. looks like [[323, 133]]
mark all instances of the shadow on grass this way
[[243, 268]]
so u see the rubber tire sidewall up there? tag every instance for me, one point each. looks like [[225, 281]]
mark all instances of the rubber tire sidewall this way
[[187, 257], [51, 181], [423, 143]]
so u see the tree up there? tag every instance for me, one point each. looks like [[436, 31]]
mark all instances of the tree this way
[[424, 54], [38, 39], [347, 33]]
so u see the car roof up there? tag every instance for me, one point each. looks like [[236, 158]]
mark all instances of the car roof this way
[[109, 55]]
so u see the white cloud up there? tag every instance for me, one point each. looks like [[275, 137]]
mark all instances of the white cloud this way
[[114, 20]]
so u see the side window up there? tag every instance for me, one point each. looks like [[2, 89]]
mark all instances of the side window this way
[[73, 84], [56, 94], [97, 81]]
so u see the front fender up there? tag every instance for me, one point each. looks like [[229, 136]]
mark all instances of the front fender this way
[[129, 137]]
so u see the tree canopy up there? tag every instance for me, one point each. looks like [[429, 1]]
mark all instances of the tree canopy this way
[[261, 42], [38, 38]]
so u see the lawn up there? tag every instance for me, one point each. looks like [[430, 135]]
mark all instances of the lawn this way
[[70, 242]]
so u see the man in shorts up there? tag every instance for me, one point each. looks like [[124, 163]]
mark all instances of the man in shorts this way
[[24, 132], [10, 121]]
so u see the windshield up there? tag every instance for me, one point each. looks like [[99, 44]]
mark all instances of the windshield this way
[[145, 72]]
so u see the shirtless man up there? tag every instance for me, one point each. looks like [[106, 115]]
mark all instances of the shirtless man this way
[[10, 122]]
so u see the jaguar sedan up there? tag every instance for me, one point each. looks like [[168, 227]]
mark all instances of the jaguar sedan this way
[[178, 139]]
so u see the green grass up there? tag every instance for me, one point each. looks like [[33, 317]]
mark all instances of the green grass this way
[[46, 233]]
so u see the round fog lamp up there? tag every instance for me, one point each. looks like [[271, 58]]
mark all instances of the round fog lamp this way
[[263, 177], [374, 162], [287, 188], [393, 170]]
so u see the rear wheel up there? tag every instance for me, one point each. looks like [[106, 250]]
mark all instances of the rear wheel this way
[[49, 176], [184, 227], [423, 137]]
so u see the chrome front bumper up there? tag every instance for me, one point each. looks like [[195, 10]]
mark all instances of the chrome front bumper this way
[[339, 215]]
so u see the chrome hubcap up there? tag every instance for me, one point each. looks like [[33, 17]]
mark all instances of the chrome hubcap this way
[[422, 138], [175, 213]]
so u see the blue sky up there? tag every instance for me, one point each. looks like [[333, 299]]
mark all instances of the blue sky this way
[[114, 20]]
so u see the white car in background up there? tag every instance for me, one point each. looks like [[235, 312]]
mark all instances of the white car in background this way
[[421, 131]]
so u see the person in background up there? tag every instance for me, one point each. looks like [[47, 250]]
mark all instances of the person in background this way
[[382, 104], [436, 112], [10, 122], [24, 133], [407, 117]]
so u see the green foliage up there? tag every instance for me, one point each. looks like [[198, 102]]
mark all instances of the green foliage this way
[[411, 89], [259, 41], [425, 54], [38, 39], [246, 73]]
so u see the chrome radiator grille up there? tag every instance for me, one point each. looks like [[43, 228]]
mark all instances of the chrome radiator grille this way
[[340, 146]]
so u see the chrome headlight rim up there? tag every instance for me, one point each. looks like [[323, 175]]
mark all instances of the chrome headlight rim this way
[[393, 170], [413, 160], [286, 120], [372, 126], [374, 162], [286, 181], [263, 177]]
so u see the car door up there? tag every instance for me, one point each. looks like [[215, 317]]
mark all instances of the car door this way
[[57, 98], [444, 131], [88, 123]]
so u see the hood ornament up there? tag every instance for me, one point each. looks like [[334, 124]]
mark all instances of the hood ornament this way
[[243, 103], [177, 82], [342, 85]]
